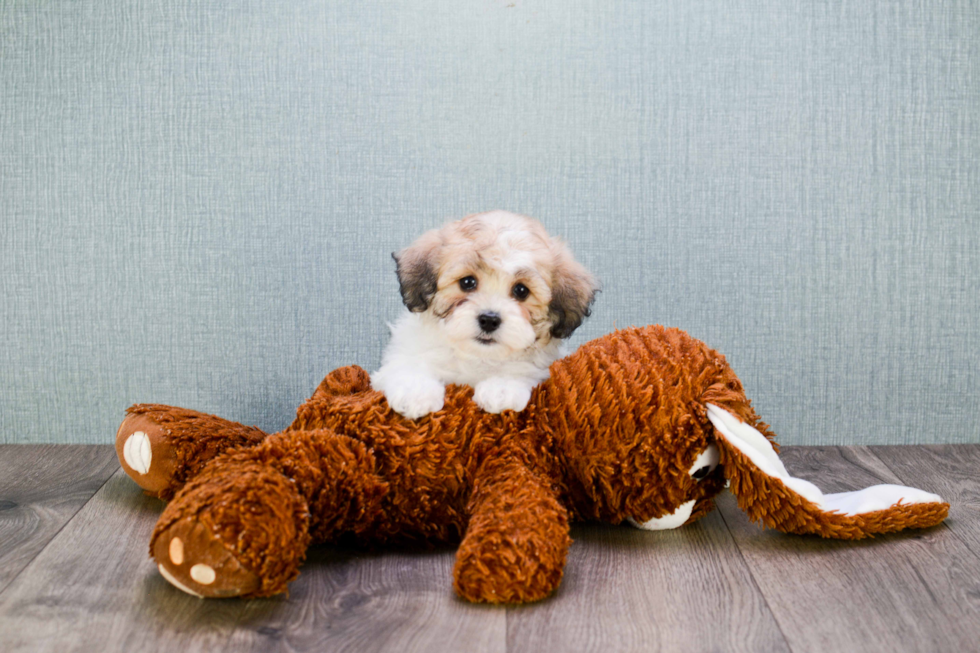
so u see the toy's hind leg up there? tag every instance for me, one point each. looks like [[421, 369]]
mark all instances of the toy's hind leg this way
[[242, 526], [517, 538], [162, 447]]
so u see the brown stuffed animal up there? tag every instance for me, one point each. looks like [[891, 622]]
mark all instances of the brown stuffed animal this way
[[643, 425]]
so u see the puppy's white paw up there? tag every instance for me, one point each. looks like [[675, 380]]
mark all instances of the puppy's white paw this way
[[498, 394], [415, 396]]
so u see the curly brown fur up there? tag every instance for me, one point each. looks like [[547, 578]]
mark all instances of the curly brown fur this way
[[517, 538], [628, 408]]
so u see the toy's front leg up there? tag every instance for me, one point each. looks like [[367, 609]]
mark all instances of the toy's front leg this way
[[517, 538], [242, 526]]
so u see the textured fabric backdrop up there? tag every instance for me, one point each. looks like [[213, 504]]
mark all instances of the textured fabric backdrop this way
[[199, 198]]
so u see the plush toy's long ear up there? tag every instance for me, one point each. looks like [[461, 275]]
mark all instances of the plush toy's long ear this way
[[767, 492]]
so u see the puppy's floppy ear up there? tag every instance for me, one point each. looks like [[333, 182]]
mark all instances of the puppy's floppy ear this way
[[417, 271], [767, 493], [573, 289]]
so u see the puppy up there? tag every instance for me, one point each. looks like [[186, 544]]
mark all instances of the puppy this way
[[490, 299]]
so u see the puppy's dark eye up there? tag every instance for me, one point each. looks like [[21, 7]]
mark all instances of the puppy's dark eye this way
[[466, 284], [520, 292], [701, 472]]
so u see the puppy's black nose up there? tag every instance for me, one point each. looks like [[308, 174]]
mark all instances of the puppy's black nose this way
[[488, 322]]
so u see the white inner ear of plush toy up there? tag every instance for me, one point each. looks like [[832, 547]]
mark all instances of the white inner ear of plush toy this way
[[757, 449]]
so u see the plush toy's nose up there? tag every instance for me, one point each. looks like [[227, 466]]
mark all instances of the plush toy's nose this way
[[489, 322]]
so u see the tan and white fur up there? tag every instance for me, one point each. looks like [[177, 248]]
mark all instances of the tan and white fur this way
[[490, 300]]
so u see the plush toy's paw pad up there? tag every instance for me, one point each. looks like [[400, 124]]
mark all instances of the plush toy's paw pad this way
[[415, 397], [497, 395], [192, 558], [145, 453]]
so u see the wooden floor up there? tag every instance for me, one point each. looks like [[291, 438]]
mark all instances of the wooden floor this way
[[74, 575]]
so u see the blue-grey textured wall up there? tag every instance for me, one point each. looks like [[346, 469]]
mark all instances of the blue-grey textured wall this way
[[199, 198]]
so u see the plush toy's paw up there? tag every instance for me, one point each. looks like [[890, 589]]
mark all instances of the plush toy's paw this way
[[414, 396], [145, 452], [498, 394], [192, 558], [239, 528]]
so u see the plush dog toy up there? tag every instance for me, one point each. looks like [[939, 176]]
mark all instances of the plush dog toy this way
[[644, 425]]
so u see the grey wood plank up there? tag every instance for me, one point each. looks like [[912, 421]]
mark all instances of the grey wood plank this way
[[41, 488], [93, 588], [950, 470], [631, 590], [384, 601], [912, 591]]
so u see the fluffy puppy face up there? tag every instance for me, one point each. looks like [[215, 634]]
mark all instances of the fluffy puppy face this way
[[495, 284]]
